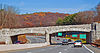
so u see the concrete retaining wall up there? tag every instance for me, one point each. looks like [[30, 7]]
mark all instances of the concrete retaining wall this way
[[21, 46]]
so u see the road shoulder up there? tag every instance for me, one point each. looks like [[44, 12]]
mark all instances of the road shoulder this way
[[96, 50]]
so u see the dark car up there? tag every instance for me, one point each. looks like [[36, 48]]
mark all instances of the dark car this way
[[69, 40], [17, 42], [78, 43], [58, 39], [65, 42]]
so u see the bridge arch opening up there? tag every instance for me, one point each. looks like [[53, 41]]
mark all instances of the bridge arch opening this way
[[57, 37], [28, 38]]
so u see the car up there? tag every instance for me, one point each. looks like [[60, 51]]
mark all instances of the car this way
[[78, 43], [65, 42], [17, 42], [58, 39], [69, 40]]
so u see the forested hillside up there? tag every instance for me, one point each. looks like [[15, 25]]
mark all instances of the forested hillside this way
[[39, 19]]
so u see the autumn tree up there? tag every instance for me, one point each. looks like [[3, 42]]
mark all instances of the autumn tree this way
[[40, 23]]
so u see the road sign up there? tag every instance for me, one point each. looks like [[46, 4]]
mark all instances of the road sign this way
[[59, 34], [83, 36], [74, 35]]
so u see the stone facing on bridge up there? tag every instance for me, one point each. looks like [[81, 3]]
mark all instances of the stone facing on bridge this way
[[85, 28], [6, 33], [96, 31]]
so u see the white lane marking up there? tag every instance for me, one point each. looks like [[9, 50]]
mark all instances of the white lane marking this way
[[88, 49], [60, 52], [29, 52]]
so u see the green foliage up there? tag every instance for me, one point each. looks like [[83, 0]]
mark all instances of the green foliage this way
[[59, 21], [69, 19]]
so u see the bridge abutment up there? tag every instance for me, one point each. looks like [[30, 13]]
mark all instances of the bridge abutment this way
[[8, 40], [47, 37], [95, 31]]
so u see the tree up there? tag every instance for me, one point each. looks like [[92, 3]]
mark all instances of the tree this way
[[8, 16], [59, 21], [69, 19], [40, 23], [80, 18], [97, 13], [98, 9]]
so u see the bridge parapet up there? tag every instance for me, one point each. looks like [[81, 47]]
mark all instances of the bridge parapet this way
[[86, 28], [11, 32]]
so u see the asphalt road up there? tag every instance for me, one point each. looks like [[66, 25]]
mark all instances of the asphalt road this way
[[41, 39], [55, 39], [55, 49], [36, 39]]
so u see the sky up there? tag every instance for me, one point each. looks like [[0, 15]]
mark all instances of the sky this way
[[61, 6]]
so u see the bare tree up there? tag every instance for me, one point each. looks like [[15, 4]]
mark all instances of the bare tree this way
[[7, 16], [85, 17]]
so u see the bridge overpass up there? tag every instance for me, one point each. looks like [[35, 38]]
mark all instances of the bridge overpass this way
[[6, 33]]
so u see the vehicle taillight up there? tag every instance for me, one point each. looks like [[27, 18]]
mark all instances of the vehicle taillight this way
[[74, 43], [57, 39]]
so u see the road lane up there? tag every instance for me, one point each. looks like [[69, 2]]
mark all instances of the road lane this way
[[55, 49], [36, 39]]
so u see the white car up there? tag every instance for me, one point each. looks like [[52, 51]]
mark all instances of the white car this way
[[78, 43]]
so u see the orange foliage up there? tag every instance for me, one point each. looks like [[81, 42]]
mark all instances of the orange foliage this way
[[29, 23], [49, 12], [17, 15], [98, 21], [56, 12], [41, 14], [27, 16], [0, 27], [39, 19], [40, 23], [35, 13], [22, 38], [67, 14]]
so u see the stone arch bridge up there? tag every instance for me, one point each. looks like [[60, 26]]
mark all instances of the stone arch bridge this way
[[6, 33]]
